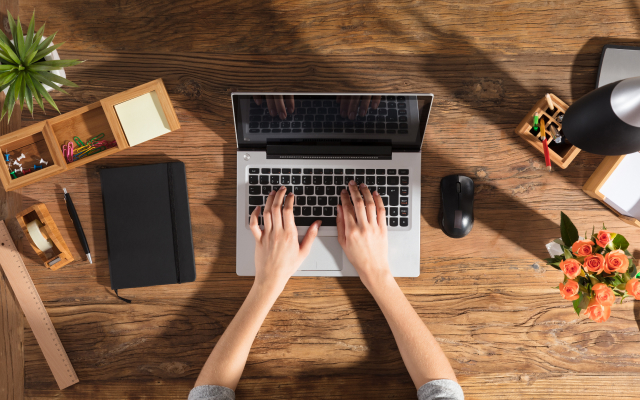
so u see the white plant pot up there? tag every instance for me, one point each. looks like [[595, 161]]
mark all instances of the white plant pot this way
[[51, 56]]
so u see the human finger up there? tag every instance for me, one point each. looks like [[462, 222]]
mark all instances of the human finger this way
[[344, 106], [289, 221], [257, 99], [369, 205], [340, 225], [266, 214], [358, 204], [271, 105], [276, 208], [375, 102], [290, 103], [349, 215], [253, 224], [353, 107], [380, 211], [364, 105], [281, 109], [309, 237]]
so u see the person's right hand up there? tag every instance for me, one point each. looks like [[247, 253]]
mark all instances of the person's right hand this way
[[278, 105], [362, 232]]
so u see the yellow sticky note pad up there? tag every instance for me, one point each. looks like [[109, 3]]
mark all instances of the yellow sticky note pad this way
[[142, 118]]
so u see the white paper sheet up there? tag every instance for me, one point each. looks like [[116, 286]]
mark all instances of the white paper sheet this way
[[622, 189], [142, 118]]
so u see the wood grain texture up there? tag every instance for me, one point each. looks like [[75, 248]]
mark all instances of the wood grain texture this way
[[488, 298]]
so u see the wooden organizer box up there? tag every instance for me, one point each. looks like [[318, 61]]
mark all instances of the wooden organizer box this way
[[45, 139], [598, 178], [561, 154]]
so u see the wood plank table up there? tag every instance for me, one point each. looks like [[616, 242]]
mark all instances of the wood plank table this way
[[488, 298]]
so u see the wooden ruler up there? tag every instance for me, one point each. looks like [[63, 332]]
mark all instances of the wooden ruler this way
[[34, 310]]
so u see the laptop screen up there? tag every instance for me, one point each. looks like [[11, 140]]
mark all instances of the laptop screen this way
[[270, 118]]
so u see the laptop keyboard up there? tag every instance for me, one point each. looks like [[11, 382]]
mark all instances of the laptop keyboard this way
[[323, 116], [318, 191]]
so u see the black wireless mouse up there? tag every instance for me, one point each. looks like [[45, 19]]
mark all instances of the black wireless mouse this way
[[456, 209]]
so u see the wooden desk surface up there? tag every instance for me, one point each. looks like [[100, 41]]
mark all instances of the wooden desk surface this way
[[488, 298]]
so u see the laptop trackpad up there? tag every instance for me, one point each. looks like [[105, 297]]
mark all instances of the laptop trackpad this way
[[325, 255]]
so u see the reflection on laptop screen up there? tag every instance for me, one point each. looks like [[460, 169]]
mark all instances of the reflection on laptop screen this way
[[398, 118]]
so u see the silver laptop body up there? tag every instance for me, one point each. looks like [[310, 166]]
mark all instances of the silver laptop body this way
[[314, 151]]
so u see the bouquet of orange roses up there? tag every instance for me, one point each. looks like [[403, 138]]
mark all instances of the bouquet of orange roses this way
[[596, 270]]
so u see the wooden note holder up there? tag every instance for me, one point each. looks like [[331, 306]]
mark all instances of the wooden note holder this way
[[45, 139], [598, 178], [61, 254], [561, 154]]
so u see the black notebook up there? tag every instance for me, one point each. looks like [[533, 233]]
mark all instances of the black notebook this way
[[146, 212]]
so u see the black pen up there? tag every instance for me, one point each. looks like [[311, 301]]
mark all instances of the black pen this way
[[76, 223]]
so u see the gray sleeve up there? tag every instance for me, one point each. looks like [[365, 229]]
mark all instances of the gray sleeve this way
[[440, 389], [211, 392]]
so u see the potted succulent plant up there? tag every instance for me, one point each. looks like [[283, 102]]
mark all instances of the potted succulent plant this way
[[26, 65]]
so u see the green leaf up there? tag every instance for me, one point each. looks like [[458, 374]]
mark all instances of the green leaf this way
[[52, 64], [38, 37], [30, 30], [44, 93], [19, 40], [46, 51], [19, 92], [9, 103], [9, 52], [632, 268], [56, 78], [12, 24], [568, 230], [567, 254], [34, 91], [619, 242], [581, 303], [47, 82], [29, 97], [7, 67], [45, 43], [30, 54]]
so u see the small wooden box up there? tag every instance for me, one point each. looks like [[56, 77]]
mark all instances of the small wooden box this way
[[561, 154], [598, 178], [45, 139]]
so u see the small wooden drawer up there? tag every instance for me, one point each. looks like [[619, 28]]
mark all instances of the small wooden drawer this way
[[45, 140], [561, 154]]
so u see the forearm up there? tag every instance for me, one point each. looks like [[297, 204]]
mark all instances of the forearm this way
[[228, 358], [420, 351]]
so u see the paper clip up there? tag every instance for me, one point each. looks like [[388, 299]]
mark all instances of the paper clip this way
[[78, 141], [97, 137], [67, 151]]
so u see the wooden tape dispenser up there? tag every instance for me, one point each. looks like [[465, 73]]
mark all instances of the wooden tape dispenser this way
[[44, 236]]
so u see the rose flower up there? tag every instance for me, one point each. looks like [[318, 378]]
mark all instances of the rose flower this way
[[569, 291], [594, 263], [603, 238], [633, 288], [570, 267], [616, 261], [582, 248], [597, 312], [603, 294]]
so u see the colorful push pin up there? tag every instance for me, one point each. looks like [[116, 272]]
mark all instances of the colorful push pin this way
[[42, 161], [6, 157], [15, 162], [21, 157], [535, 122], [37, 167], [13, 175]]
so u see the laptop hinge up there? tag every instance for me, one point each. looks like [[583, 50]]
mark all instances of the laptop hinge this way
[[337, 151]]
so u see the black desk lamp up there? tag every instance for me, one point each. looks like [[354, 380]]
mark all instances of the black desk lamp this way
[[607, 120]]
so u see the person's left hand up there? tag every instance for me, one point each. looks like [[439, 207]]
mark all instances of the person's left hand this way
[[278, 253]]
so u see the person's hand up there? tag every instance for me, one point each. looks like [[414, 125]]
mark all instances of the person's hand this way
[[278, 105], [349, 105], [362, 232], [278, 253]]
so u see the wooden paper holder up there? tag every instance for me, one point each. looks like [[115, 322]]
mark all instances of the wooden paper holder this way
[[561, 154], [61, 255]]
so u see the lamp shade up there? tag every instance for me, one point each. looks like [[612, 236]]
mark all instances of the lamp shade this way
[[607, 120]]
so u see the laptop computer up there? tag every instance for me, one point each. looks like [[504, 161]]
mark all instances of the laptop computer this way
[[315, 149]]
